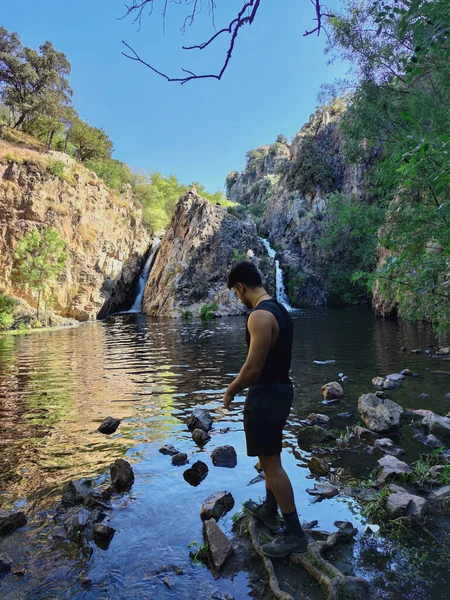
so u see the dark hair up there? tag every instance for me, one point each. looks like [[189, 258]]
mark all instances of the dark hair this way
[[246, 273]]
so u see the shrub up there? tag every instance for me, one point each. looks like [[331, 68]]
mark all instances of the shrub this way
[[7, 306], [186, 315], [310, 171], [239, 256], [57, 168], [207, 310]]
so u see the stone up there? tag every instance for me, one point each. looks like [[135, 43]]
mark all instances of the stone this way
[[438, 426], [224, 456], [200, 419], [391, 468], [332, 391], [103, 534], [416, 351], [401, 504], [311, 436], [345, 415], [447, 396], [433, 442], [177, 570], [443, 351], [168, 581], [180, 459], [75, 492], [403, 349], [379, 415], [378, 382], [406, 372], [200, 437], [396, 377], [76, 520], [219, 545], [381, 394], [260, 477], [109, 425], [169, 450], [346, 379], [365, 434], [390, 385], [10, 521], [196, 474], [122, 475], [424, 396], [318, 466], [216, 505], [330, 402], [323, 490], [317, 419], [388, 447], [5, 563]]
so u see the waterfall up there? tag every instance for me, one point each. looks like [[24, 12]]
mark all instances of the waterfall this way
[[137, 304], [279, 281]]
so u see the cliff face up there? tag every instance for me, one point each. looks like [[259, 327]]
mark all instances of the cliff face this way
[[105, 235], [202, 243], [295, 204]]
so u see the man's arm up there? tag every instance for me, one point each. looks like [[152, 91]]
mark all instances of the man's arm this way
[[260, 326]]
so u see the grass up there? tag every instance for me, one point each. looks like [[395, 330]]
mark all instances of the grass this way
[[207, 310]]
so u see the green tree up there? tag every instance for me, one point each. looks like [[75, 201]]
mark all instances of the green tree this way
[[7, 306], [40, 259], [89, 142], [32, 83]]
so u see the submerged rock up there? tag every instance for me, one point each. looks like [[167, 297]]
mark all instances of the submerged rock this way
[[169, 450], [332, 391], [196, 473], [219, 545], [315, 435], [224, 456], [76, 520], [109, 425], [122, 475], [377, 414], [391, 468], [200, 437], [75, 492], [200, 419], [216, 505], [10, 521]]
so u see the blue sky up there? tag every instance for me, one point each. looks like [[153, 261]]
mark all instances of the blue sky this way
[[200, 131]]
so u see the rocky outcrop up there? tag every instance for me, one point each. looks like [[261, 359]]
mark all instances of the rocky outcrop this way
[[105, 234], [202, 243]]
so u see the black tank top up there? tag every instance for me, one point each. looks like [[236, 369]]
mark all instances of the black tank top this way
[[278, 361]]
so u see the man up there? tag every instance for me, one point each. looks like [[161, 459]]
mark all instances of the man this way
[[269, 335]]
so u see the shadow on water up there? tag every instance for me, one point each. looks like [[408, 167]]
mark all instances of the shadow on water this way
[[56, 387]]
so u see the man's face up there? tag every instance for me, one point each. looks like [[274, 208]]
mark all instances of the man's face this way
[[241, 292]]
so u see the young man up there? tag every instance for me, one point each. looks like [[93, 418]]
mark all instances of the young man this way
[[269, 335]]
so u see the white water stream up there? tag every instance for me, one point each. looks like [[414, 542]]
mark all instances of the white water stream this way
[[280, 289], [137, 304]]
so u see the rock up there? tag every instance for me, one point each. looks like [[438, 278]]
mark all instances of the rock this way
[[195, 475], [219, 545], [416, 351], [168, 581], [378, 382], [346, 379], [258, 467], [169, 450], [377, 414], [122, 475], [76, 520], [178, 570], [103, 534], [109, 425], [311, 436], [18, 570], [388, 447], [345, 415], [332, 391], [402, 504], [438, 426], [406, 372], [180, 459], [447, 396], [200, 419], [317, 419], [5, 563], [381, 394], [365, 434], [323, 490], [260, 477], [390, 468], [10, 521], [424, 396], [443, 351], [224, 456], [75, 492], [318, 466], [330, 402], [421, 412], [432, 441], [346, 526], [390, 385], [216, 505], [396, 377], [200, 437], [403, 349]]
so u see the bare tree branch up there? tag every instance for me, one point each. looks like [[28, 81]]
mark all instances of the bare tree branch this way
[[319, 16]]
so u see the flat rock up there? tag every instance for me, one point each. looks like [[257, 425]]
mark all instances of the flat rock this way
[[109, 425], [10, 521], [406, 372], [216, 505], [169, 450], [318, 466], [396, 377], [224, 456], [391, 468], [402, 504], [168, 581], [122, 476], [312, 436], [365, 434], [5, 563], [438, 426], [388, 447], [433, 442], [317, 419], [196, 474], [180, 459], [75, 492], [200, 437], [200, 419], [332, 391], [219, 545], [379, 415], [323, 490], [345, 415]]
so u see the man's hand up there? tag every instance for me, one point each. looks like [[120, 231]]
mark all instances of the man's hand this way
[[227, 399]]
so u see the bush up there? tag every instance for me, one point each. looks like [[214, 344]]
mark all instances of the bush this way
[[310, 171], [186, 315], [57, 168], [207, 310], [7, 306]]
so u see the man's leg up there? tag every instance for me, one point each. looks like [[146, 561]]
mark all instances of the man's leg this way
[[270, 503]]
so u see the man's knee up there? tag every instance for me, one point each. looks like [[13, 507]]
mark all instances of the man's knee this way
[[271, 464]]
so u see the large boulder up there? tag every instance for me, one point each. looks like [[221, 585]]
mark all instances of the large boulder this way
[[200, 419], [438, 426], [122, 475], [377, 414], [219, 545], [10, 521], [391, 468], [401, 504], [332, 391], [313, 436], [388, 447], [216, 505]]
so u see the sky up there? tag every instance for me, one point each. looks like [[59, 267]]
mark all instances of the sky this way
[[202, 130]]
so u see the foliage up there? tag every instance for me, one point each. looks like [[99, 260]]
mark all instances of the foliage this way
[[294, 281], [7, 306], [231, 181], [349, 235], [200, 553], [239, 256], [430, 468], [186, 315], [89, 142], [310, 171], [40, 259], [374, 510], [282, 139], [398, 114], [113, 172], [57, 167], [255, 156], [207, 310]]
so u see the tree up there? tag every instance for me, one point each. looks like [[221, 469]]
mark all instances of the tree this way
[[89, 142], [32, 83], [7, 306], [40, 259]]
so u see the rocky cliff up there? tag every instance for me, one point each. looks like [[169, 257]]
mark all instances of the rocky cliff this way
[[296, 181], [105, 234], [201, 244]]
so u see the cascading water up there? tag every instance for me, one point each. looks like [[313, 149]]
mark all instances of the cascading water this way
[[279, 281], [137, 304]]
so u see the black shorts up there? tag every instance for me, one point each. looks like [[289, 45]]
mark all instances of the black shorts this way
[[265, 413]]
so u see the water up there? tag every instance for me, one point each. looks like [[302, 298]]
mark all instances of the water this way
[[57, 386], [279, 277], [143, 277]]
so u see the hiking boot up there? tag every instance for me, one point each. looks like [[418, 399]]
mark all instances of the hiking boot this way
[[273, 523], [285, 545]]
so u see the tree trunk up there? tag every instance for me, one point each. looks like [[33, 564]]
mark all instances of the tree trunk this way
[[20, 121], [38, 304]]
